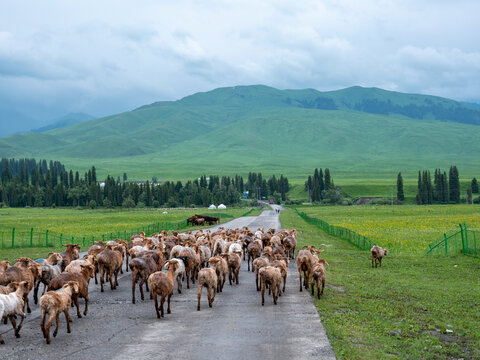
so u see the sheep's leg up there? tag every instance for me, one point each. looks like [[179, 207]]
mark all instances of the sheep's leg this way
[[44, 288], [168, 301], [162, 301], [300, 278], [146, 284], [230, 276], [199, 295], [101, 278], [209, 294], [85, 311], [116, 277], [1, 340], [155, 300], [75, 300], [188, 278], [140, 285], [284, 282], [14, 324], [57, 321], [68, 320], [323, 287], [110, 278], [256, 281], [263, 293], [380, 262], [306, 277], [236, 275], [179, 285], [312, 284], [96, 272], [134, 280], [372, 261], [26, 302], [248, 261], [51, 317], [42, 323], [35, 292]]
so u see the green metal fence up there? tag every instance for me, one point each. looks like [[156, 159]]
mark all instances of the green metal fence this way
[[13, 238], [360, 241], [463, 241]]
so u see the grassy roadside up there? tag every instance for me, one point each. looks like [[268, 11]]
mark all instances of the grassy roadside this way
[[402, 310]]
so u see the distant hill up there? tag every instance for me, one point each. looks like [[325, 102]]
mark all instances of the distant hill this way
[[64, 121], [357, 132]]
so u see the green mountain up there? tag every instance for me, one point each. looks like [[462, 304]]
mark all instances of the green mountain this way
[[357, 132], [64, 121]]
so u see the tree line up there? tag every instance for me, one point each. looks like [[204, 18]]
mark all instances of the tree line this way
[[27, 182], [319, 185]]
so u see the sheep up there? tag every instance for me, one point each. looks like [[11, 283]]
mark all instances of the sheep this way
[[82, 278], [4, 265], [110, 263], [278, 250], [290, 243], [282, 264], [219, 247], [207, 277], [51, 268], [204, 255], [191, 265], [377, 255], [234, 262], [7, 289], [12, 304], [141, 268], [253, 252], [74, 266], [257, 264], [272, 277], [176, 250], [235, 247], [55, 302], [318, 276], [162, 284], [179, 273], [21, 273], [221, 268], [70, 254], [305, 261]]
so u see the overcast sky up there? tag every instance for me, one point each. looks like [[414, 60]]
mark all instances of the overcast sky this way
[[108, 56]]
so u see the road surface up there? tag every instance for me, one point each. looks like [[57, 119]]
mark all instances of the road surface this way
[[237, 327]]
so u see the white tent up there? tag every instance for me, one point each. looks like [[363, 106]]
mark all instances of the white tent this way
[[212, 207], [221, 206]]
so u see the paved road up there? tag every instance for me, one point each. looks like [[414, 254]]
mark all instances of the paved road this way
[[237, 327]]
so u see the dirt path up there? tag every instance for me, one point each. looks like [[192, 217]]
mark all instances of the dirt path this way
[[237, 327]]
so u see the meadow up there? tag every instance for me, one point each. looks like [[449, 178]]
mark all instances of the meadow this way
[[406, 228], [416, 306]]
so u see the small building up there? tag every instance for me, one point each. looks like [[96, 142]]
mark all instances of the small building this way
[[221, 206], [212, 207]]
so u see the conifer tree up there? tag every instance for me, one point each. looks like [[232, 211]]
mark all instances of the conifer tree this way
[[400, 194], [474, 186]]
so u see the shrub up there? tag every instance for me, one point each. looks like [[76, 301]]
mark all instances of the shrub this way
[[156, 204], [92, 204]]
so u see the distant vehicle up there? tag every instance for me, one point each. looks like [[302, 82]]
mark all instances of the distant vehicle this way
[[270, 201]]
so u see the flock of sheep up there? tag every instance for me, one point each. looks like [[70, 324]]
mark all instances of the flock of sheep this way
[[158, 262]]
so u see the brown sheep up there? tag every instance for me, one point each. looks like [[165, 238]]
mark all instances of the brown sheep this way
[[272, 277], [305, 261], [82, 278], [290, 243], [12, 304], [109, 263], [234, 263], [207, 277], [18, 274], [318, 276], [253, 252], [282, 264], [259, 263], [55, 302], [70, 254], [221, 268], [142, 268], [377, 255], [162, 284]]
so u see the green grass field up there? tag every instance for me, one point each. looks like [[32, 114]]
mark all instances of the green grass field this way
[[406, 228], [88, 223], [414, 307]]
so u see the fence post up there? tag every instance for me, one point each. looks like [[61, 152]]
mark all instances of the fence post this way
[[13, 238], [46, 238], [31, 237], [466, 239], [446, 244], [463, 239]]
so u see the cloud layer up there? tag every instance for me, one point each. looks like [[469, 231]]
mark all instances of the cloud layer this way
[[103, 57]]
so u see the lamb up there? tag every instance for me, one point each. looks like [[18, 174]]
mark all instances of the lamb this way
[[12, 304], [257, 264], [82, 278], [179, 273], [305, 261], [55, 302], [191, 265], [207, 277], [377, 255], [272, 277], [162, 284], [253, 252], [318, 276], [110, 262], [290, 243], [141, 268], [221, 268]]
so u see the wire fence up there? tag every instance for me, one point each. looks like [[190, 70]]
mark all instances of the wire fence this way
[[360, 241], [463, 241]]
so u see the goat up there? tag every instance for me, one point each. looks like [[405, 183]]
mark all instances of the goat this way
[[12, 304], [377, 255], [272, 277], [55, 302], [207, 277], [162, 284]]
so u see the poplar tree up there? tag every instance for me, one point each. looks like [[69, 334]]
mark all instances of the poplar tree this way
[[400, 194]]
